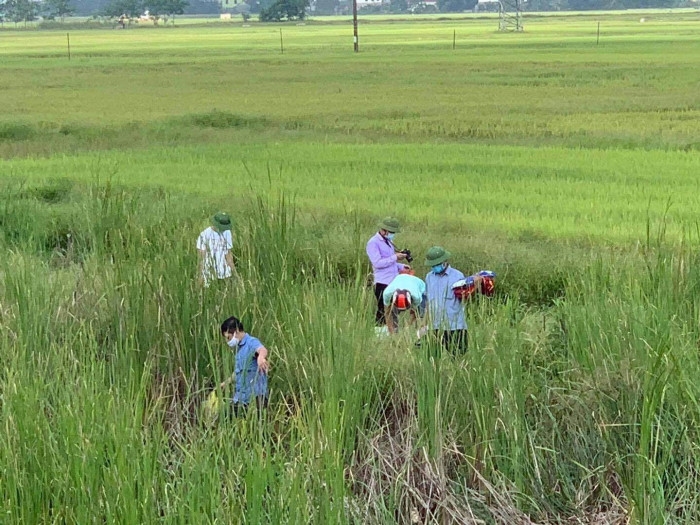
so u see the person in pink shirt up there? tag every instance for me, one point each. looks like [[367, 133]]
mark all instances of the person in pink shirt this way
[[385, 261]]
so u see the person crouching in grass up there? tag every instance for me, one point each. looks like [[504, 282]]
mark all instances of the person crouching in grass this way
[[405, 293], [251, 367]]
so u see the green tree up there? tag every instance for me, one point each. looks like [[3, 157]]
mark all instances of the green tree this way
[[58, 8], [272, 13], [326, 7], [455, 6], [546, 5], [284, 10], [242, 9], [398, 6], [130, 8], [21, 10], [586, 5], [168, 8], [6, 10], [208, 7]]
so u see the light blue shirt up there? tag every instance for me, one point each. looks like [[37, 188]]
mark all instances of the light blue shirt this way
[[414, 285], [249, 382], [445, 311]]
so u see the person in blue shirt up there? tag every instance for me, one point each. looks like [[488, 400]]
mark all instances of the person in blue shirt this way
[[405, 292], [445, 313], [251, 367]]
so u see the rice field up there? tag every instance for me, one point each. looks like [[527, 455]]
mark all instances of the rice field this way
[[567, 167]]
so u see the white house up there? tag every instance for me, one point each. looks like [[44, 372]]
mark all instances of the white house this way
[[365, 3]]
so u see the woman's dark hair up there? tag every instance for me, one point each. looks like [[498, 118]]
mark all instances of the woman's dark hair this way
[[231, 325]]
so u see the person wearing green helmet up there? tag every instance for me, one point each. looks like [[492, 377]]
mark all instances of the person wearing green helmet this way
[[214, 248], [445, 312], [385, 262]]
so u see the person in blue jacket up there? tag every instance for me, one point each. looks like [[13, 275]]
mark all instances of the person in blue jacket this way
[[445, 313], [251, 367]]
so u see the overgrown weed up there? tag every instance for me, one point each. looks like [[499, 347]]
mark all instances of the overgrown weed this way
[[581, 411]]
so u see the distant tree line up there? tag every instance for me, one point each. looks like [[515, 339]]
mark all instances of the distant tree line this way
[[278, 10], [27, 10], [274, 10], [590, 5], [329, 7], [134, 8]]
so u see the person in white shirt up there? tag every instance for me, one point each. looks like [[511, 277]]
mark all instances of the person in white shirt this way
[[214, 246]]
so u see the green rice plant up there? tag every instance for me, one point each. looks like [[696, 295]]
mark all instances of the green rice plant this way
[[585, 406]]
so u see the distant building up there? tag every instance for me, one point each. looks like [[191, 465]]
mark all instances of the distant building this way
[[422, 6], [367, 3]]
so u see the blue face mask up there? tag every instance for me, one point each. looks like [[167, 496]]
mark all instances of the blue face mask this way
[[438, 268], [390, 236]]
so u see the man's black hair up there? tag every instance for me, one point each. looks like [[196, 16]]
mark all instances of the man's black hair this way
[[231, 325]]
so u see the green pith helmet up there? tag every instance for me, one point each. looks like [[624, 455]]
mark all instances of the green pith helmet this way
[[221, 222], [437, 255], [390, 224]]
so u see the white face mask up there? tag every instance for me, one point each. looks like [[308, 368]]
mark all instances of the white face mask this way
[[390, 236], [233, 342]]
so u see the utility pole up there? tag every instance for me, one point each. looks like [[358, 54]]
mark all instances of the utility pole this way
[[355, 41], [510, 15]]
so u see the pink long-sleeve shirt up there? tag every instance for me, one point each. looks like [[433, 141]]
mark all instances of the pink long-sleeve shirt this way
[[382, 255]]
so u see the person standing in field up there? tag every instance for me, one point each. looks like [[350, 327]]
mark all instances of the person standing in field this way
[[214, 247], [405, 293], [385, 262], [251, 367], [445, 313]]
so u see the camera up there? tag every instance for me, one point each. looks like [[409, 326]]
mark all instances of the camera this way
[[407, 253]]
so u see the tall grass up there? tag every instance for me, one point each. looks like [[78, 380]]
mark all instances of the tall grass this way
[[586, 409]]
